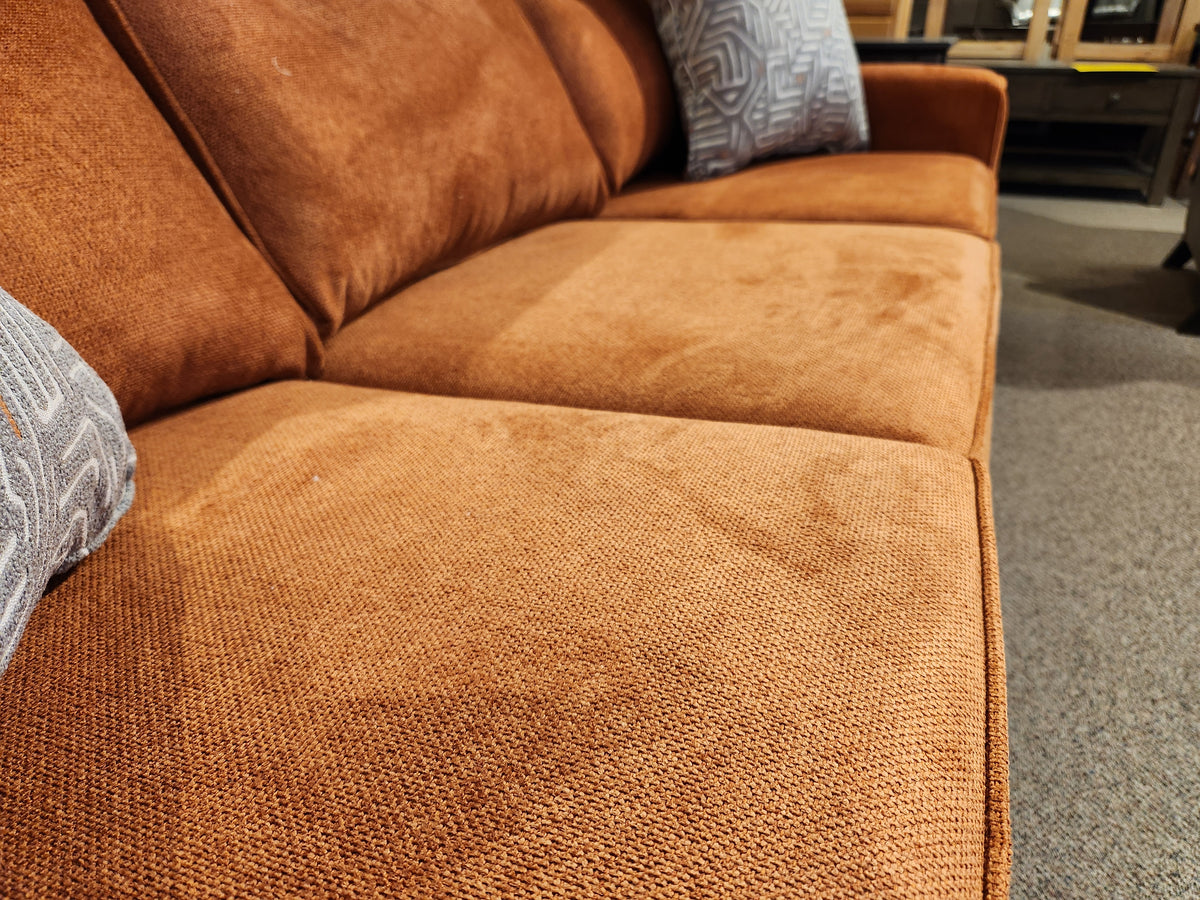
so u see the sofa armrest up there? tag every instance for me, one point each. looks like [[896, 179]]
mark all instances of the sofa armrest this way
[[949, 109]]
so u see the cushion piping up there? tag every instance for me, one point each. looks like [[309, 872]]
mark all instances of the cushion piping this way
[[997, 854], [983, 413]]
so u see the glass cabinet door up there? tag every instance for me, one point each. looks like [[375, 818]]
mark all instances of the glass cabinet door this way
[[1065, 30]]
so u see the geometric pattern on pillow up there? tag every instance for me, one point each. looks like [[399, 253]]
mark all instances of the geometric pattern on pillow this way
[[66, 464], [759, 78]]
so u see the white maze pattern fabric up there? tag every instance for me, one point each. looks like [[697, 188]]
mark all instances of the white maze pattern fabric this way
[[66, 464], [761, 78]]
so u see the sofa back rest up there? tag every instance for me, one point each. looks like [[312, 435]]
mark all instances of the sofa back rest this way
[[365, 144], [111, 234], [610, 58]]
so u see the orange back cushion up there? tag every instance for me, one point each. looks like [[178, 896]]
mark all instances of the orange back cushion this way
[[111, 234], [369, 145], [610, 59]]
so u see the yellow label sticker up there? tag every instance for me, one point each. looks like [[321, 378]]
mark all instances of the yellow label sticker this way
[[1114, 67]]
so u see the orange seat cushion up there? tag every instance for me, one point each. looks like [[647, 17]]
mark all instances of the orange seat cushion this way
[[944, 189], [362, 643], [875, 330]]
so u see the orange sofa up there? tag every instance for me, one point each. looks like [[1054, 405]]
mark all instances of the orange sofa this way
[[512, 518]]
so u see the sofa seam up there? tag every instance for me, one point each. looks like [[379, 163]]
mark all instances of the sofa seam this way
[[1001, 125], [990, 611], [721, 220], [191, 139], [988, 376], [610, 180], [987, 693], [995, 203], [194, 145]]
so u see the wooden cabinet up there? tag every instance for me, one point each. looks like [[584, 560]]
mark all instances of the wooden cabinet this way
[[1049, 29], [1096, 129], [1086, 97], [879, 18]]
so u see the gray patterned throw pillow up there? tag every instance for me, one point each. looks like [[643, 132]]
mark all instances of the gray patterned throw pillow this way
[[761, 78], [66, 464]]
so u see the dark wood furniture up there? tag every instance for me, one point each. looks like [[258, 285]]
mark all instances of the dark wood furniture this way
[[1095, 129], [918, 50], [1188, 248]]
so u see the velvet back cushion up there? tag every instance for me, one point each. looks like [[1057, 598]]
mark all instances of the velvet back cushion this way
[[368, 144], [760, 78], [110, 233], [66, 464], [610, 59]]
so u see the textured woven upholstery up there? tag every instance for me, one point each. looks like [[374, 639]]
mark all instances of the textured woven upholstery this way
[[608, 55], [526, 651], [612, 558], [110, 234], [743, 322], [365, 145], [948, 190], [66, 464], [937, 109]]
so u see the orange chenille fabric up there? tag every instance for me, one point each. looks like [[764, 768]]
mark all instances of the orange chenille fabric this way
[[946, 189], [366, 145], [611, 61], [940, 109], [876, 330], [109, 232], [360, 643]]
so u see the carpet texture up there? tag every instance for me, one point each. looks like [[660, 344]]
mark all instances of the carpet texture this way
[[1097, 484]]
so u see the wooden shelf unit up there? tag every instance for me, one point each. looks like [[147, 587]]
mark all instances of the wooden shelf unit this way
[[1172, 43], [1096, 129]]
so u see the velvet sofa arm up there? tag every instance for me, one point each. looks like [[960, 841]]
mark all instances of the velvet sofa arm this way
[[949, 109]]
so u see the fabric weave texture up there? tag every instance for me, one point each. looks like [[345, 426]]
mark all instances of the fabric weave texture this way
[[429, 131], [362, 643], [946, 190], [66, 464], [111, 233], [760, 78], [588, 314]]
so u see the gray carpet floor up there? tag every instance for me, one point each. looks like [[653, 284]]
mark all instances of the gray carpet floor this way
[[1096, 468]]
